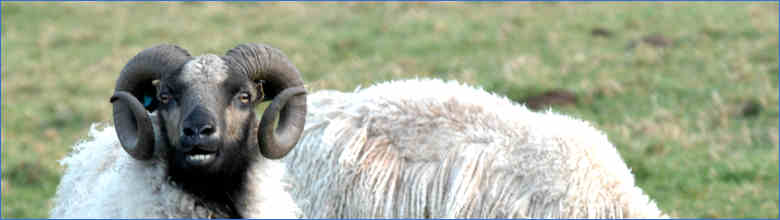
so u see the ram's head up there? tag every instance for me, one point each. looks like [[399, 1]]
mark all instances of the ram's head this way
[[198, 114]]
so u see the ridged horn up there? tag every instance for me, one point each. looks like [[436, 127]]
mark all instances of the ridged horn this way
[[283, 84], [133, 125]]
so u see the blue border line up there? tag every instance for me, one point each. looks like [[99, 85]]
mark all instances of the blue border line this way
[[715, 1]]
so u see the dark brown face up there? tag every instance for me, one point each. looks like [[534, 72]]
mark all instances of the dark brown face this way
[[208, 117]]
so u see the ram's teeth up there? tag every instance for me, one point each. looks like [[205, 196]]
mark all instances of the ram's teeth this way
[[199, 157]]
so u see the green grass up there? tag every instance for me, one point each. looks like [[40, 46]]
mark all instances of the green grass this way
[[674, 112]]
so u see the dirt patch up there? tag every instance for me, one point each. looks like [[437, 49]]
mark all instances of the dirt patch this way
[[556, 97]]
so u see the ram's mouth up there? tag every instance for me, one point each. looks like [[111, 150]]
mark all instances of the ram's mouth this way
[[200, 158]]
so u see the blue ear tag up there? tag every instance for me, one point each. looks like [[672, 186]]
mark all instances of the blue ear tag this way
[[147, 101]]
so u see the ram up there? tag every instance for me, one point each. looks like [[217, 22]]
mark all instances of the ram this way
[[191, 139], [428, 148]]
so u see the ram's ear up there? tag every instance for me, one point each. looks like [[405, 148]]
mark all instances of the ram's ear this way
[[147, 95]]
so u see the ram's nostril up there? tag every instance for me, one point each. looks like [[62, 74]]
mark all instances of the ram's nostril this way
[[188, 132], [207, 130], [203, 130]]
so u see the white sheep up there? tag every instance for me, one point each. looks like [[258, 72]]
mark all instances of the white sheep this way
[[428, 148]]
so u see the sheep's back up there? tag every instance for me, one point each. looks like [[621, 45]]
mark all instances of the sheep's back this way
[[427, 148]]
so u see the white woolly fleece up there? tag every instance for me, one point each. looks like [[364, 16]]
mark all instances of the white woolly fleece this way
[[427, 148], [102, 181]]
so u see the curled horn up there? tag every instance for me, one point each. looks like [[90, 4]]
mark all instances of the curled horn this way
[[133, 125], [283, 84]]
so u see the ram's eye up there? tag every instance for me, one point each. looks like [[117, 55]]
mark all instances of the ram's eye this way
[[165, 98], [244, 97]]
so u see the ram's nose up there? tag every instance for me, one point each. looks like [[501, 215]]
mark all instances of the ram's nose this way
[[199, 131], [203, 137]]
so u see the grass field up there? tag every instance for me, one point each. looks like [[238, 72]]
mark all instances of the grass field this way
[[688, 92]]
